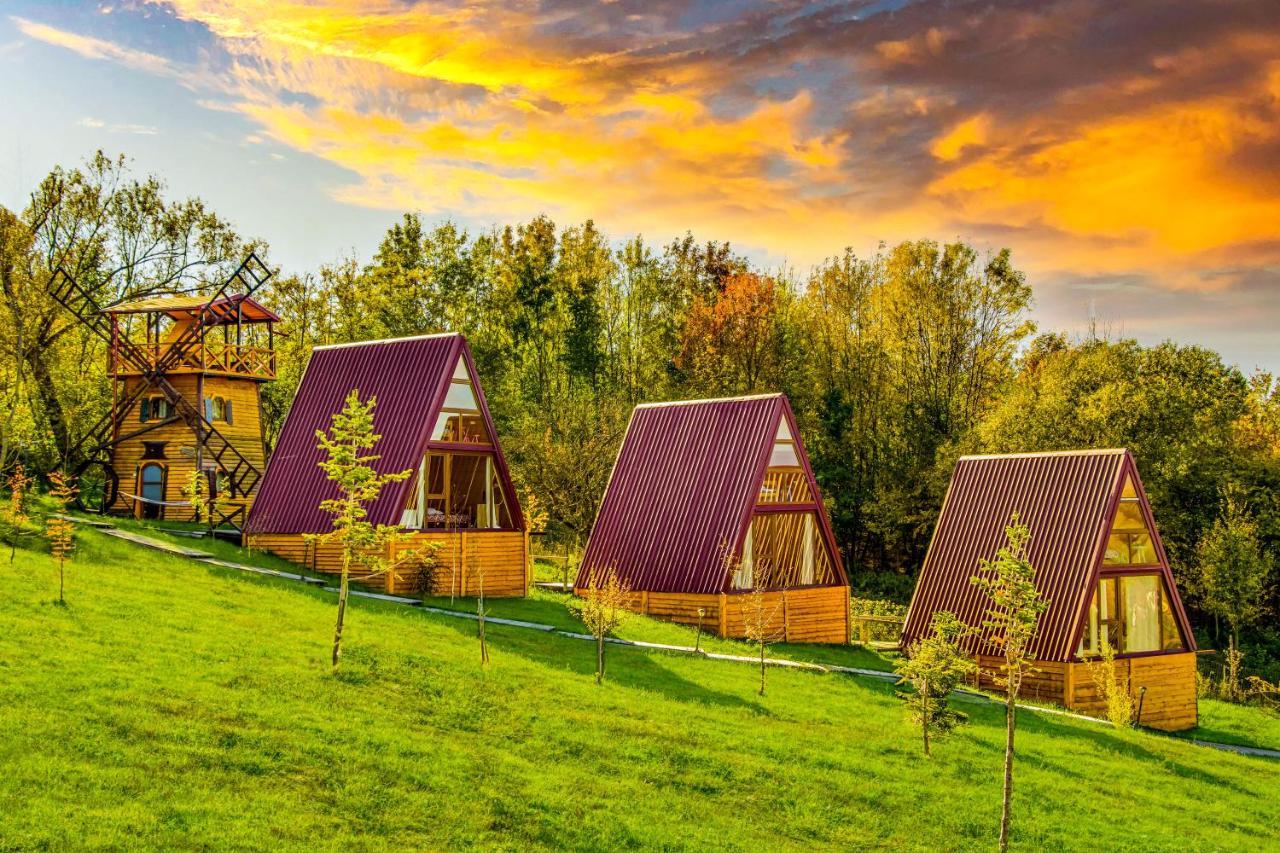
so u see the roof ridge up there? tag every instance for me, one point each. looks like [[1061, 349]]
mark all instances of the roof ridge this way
[[738, 399], [390, 340], [1100, 451]]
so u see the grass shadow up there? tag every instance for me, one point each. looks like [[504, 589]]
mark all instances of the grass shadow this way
[[624, 666]]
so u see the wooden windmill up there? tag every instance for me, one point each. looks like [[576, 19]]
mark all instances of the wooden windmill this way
[[186, 378]]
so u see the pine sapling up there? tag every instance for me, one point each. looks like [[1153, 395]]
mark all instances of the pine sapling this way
[[1009, 582], [934, 666], [350, 469], [59, 530]]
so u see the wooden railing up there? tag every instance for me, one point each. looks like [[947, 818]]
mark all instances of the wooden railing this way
[[207, 357], [861, 628]]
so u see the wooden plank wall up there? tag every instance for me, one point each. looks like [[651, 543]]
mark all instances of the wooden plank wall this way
[[1169, 704], [245, 432], [502, 555], [809, 615], [1170, 700], [1045, 683]]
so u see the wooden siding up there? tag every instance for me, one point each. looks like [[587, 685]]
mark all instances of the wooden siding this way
[[245, 432], [1170, 681], [502, 556], [808, 615]]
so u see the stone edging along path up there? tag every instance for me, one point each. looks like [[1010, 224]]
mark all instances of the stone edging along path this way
[[966, 695]]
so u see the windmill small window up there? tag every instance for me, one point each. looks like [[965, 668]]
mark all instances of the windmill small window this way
[[217, 409], [154, 409]]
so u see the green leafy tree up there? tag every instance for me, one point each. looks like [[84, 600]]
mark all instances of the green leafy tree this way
[[1233, 570], [1016, 605], [350, 468], [934, 666], [119, 237]]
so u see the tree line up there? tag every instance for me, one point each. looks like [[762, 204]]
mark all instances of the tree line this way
[[895, 362]]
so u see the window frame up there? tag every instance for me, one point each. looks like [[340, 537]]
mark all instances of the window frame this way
[[1118, 600]]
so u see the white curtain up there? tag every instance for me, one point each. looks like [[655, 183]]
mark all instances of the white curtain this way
[[1142, 613]]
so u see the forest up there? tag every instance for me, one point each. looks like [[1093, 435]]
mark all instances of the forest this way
[[896, 363]]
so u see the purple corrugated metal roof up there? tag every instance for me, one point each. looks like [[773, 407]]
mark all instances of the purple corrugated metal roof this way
[[682, 491], [408, 376], [1067, 500]]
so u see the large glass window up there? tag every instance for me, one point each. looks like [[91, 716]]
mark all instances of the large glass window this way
[[783, 549], [1134, 614], [457, 491], [1130, 542]]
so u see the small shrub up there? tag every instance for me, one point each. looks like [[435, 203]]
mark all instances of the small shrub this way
[[603, 609], [935, 666], [875, 632], [1116, 695]]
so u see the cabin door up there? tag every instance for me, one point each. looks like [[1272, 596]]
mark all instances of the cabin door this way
[[151, 490]]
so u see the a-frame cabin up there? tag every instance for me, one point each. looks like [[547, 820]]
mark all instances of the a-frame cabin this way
[[710, 500], [432, 417], [1098, 560]]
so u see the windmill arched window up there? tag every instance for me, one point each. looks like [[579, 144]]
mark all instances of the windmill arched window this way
[[217, 409]]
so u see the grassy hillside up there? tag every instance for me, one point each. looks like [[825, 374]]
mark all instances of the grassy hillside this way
[[172, 704]]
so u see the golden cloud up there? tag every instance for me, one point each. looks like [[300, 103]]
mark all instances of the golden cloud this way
[[489, 111]]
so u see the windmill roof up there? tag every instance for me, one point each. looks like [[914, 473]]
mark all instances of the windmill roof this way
[[183, 307]]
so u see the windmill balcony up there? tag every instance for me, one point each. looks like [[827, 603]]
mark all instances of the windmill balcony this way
[[212, 357]]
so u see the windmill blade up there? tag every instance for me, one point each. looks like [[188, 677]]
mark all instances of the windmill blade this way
[[252, 274], [76, 300]]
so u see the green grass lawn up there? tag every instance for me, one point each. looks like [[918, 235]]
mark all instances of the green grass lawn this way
[[172, 704], [540, 606]]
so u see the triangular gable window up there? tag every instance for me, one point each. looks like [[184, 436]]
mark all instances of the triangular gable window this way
[[460, 420], [785, 481], [1130, 542]]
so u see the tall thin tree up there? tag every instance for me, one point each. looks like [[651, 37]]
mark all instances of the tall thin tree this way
[[1009, 581], [350, 468]]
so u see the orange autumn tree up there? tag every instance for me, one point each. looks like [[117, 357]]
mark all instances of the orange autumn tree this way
[[732, 342]]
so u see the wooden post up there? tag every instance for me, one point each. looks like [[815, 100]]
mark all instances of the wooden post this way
[[528, 562], [389, 577], [644, 601], [462, 565], [786, 619], [723, 607]]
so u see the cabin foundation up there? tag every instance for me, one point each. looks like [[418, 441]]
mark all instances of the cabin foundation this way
[[1163, 685], [460, 563]]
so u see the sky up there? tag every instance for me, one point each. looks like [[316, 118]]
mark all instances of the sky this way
[[1127, 153]]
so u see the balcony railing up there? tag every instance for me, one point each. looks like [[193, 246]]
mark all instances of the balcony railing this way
[[208, 357]]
